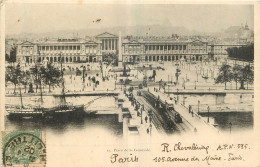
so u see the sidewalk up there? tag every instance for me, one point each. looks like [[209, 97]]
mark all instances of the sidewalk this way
[[136, 121]]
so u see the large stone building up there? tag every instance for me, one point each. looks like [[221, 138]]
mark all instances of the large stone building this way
[[219, 51], [105, 47], [150, 50], [68, 50]]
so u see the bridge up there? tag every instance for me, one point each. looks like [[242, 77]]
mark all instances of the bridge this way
[[194, 120], [207, 92], [89, 93], [70, 94]]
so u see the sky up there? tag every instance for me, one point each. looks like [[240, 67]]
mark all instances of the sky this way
[[41, 18]]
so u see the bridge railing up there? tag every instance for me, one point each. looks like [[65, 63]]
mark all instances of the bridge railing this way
[[199, 117]]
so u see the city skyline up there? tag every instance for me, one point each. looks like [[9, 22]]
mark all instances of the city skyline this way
[[33, 18]]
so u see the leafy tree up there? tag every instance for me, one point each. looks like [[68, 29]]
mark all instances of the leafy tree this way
[[25, 79], [51, 76], [248, 75], [35, 76], [7, 58], [93, 79], [242, 75], [13, 74], [154, 74], [243, 53], [9, 71], [13, 54], [237, 74], [225, 75]]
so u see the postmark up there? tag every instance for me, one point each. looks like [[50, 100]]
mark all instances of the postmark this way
[[21, 148]]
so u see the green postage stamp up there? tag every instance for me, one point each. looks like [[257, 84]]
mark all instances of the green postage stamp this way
[[24, 148]]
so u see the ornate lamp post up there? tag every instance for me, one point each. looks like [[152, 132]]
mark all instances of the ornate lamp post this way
[[141, 115], [198, 106], [150, 129], [208, 114], [230, 126]]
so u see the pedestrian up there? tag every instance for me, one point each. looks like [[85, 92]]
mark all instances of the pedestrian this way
[[189, 108], [192, 112], [146, 118], [147, 130]]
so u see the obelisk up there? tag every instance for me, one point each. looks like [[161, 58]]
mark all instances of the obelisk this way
[[120, 57]]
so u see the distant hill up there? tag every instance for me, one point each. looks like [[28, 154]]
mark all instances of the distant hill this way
[[156, 30], [153, 30], [238, 31]]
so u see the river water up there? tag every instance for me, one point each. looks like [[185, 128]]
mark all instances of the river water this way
[[236, 109], [108, 123], [105, 123]]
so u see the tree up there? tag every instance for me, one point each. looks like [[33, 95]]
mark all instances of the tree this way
[[13, 74], [237, 74], [248, 75], [93, 79], [225, 75], [13, 54], [154, 74], [51, 76], [9, 74], [25, 79], [7, 58], [243, 53], [35, 76]]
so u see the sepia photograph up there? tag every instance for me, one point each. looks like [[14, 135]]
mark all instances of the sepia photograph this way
[[127, 72]]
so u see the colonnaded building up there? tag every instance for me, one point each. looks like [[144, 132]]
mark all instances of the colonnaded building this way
[[68, 50], [107, 45]]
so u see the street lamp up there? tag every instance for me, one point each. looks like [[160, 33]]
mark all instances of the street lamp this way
[[150, 114], [198, 106], [208, 114], [184, 100], [230, 126], [168, 90], [150, 129], [141, 115]]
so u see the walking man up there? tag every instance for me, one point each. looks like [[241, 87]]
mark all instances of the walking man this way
[[146, 118], [189, 108]]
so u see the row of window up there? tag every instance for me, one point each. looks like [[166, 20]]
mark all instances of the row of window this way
[[75, 47], [65, 59], [165, 47], [170, 58], [57, 59]]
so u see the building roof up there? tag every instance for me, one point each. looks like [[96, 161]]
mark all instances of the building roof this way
[[106, 35], [27, 43], [62, 41]]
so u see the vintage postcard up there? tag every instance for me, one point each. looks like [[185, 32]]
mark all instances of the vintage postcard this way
[[125, 83]]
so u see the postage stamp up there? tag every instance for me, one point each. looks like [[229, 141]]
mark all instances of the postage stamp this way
[[24, 148]]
